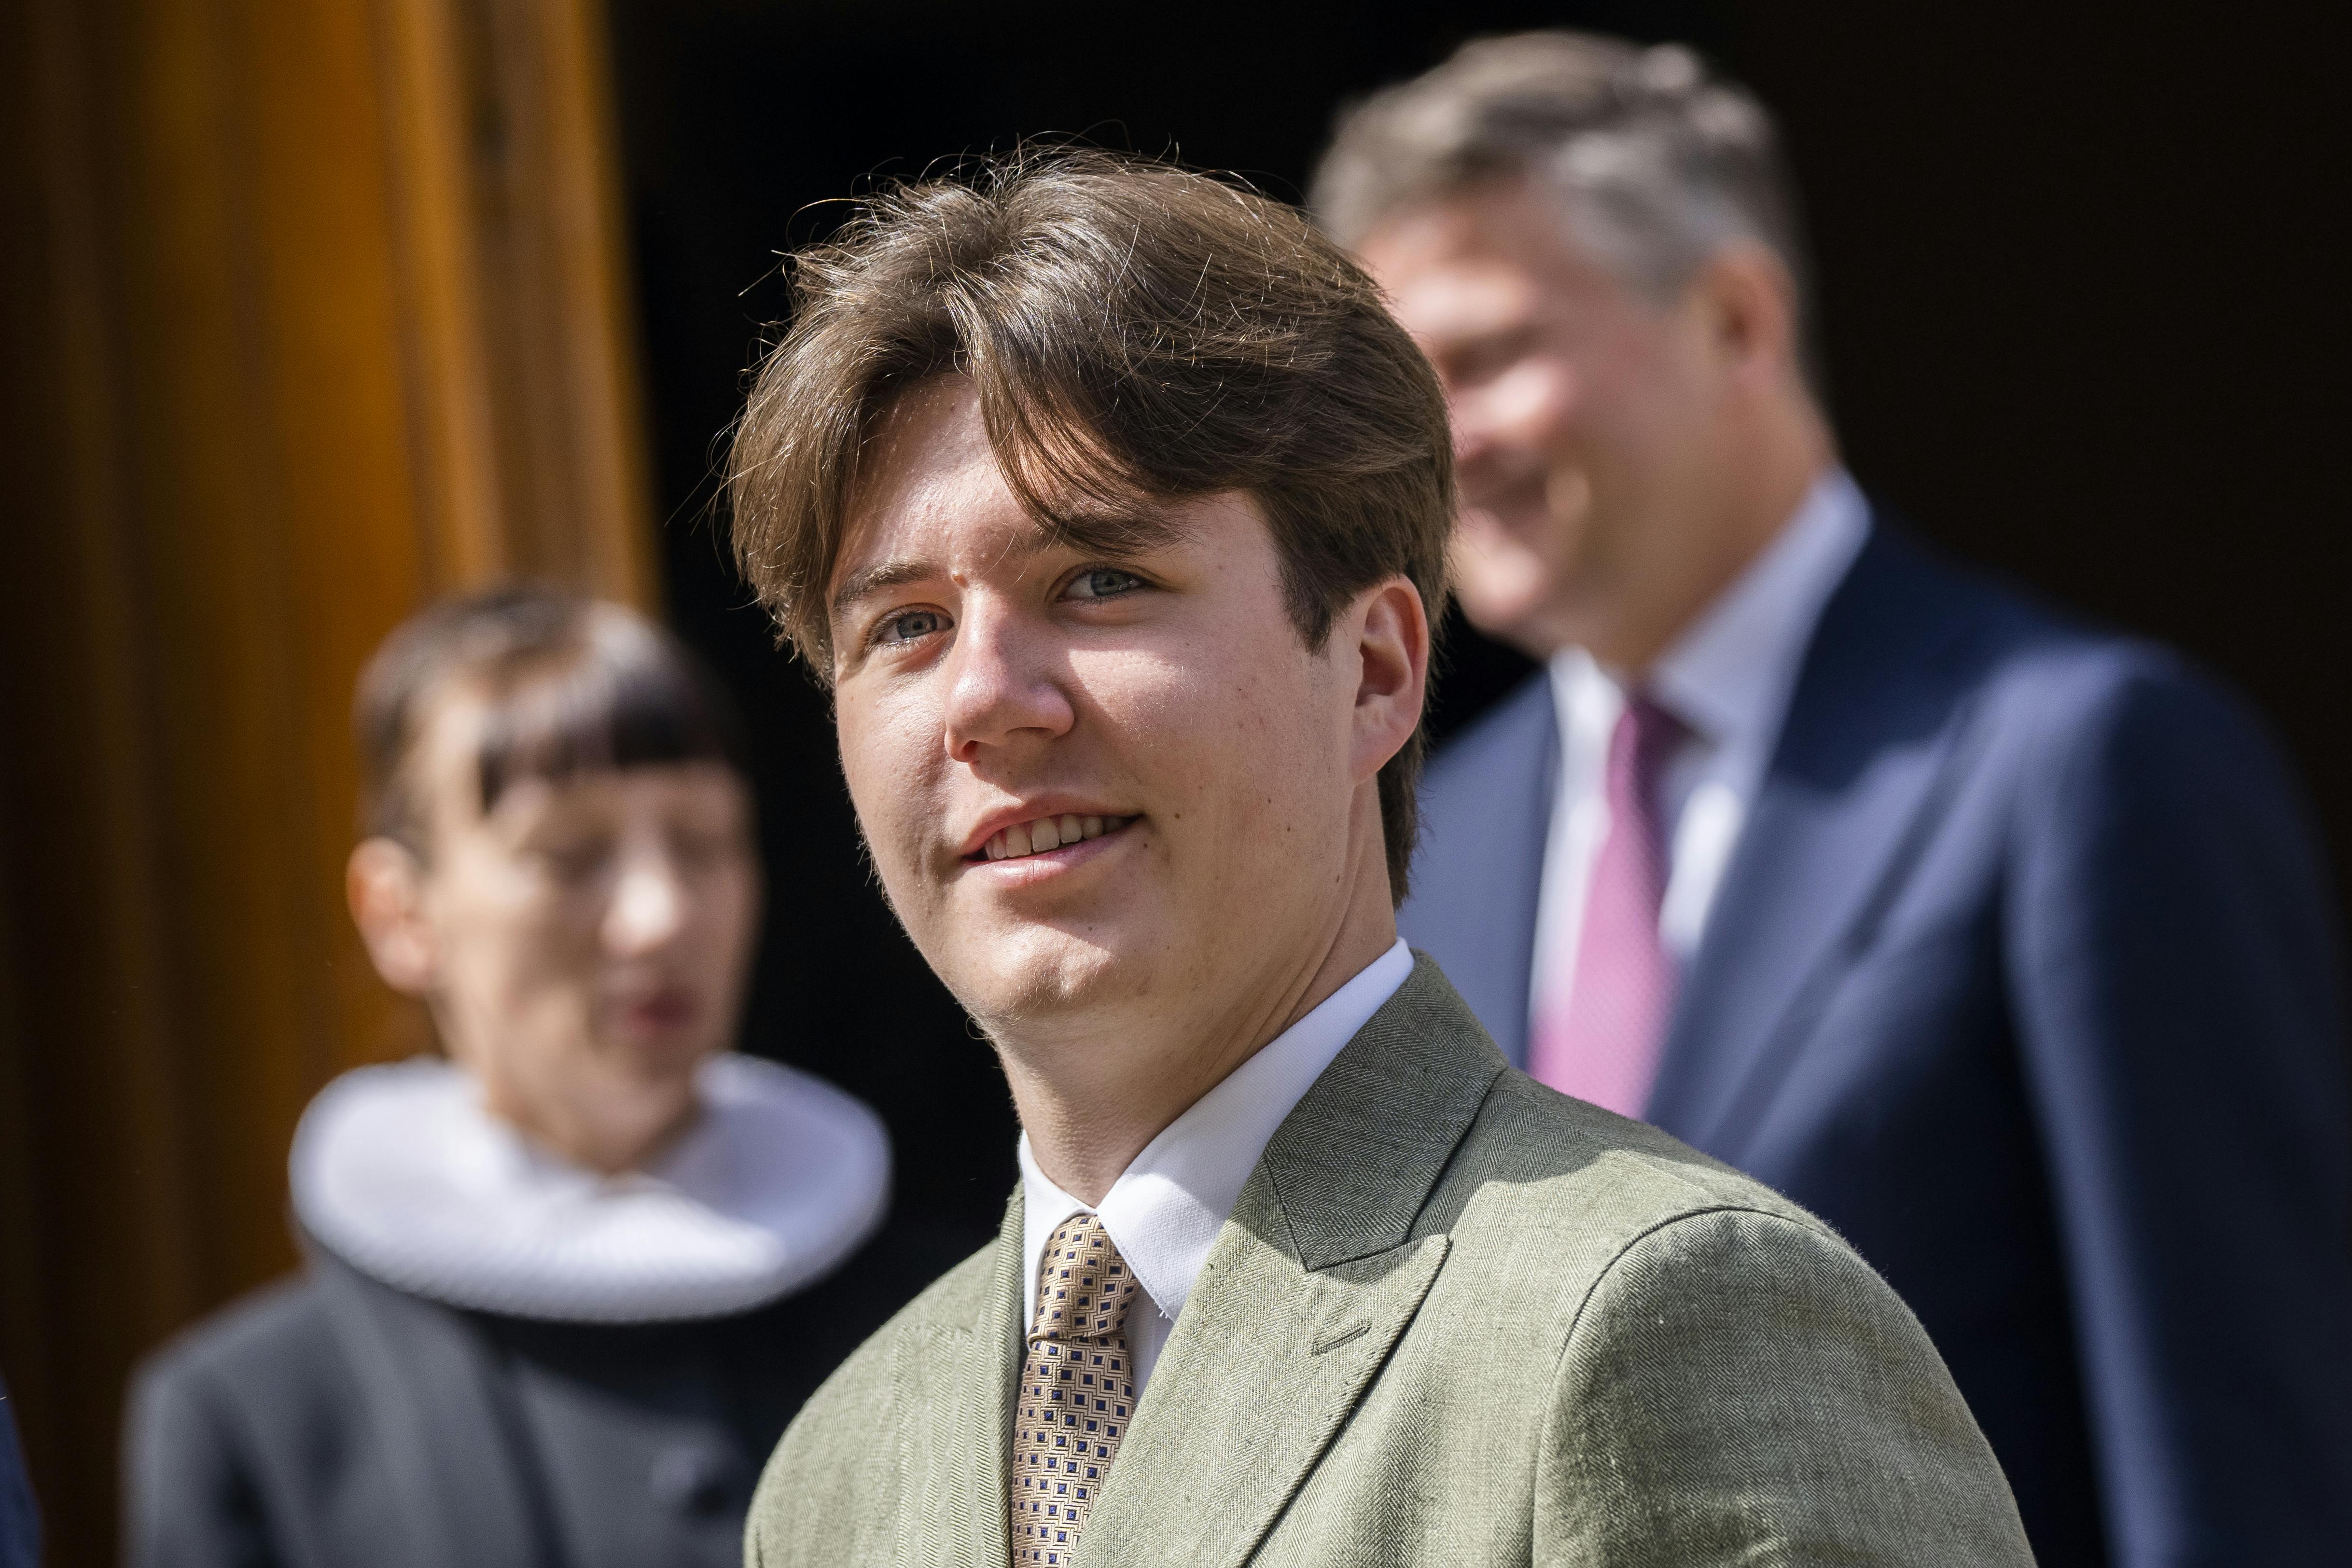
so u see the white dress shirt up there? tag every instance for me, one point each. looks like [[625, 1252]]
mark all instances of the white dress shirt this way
[[1728, 679], [1164, 1211]]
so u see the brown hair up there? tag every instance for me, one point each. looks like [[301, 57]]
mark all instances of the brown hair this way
[[571, 685], [1137, 333]]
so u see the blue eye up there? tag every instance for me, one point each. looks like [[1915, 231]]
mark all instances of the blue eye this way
[[1102, 582], [910, 625]]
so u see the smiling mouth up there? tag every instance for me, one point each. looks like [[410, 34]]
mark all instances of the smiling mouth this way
[[1046, 833]]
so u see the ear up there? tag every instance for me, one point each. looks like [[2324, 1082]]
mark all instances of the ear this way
[[1392, 664], [1749, 305], [385, 886]]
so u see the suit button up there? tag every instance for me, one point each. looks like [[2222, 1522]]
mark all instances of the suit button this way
[[691, 1479]]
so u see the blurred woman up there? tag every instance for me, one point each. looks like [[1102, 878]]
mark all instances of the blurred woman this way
[[566, 1285]]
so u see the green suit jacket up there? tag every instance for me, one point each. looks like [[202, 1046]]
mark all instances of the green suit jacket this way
[[1455, 1317]]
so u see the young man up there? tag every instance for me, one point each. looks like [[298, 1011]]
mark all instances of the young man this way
[[1112, 503], [1959, 924]]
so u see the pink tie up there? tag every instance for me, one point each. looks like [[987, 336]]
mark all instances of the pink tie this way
[[1601, 1041]]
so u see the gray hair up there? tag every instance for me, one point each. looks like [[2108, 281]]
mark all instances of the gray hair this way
[[1659, 163]]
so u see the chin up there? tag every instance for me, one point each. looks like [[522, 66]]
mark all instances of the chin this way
[[1034, 971], [663, 1056]]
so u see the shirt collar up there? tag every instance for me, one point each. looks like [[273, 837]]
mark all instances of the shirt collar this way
[[1165, 1210], [1730, 674]]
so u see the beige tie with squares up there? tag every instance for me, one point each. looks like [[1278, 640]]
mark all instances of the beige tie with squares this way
[[1078, 1385]]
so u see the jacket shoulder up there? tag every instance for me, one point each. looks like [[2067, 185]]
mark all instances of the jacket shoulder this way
[[2035, 655], [265, 1342], [1775, 1389], [2064, 717], [835, 1478], [1422, 1115], [1778, 1394], [1539, 1193], [1547, 1194], [2094, 729], [251, 1402], [1543, 1160]]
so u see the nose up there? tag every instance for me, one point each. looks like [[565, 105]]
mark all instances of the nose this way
[[649, 906], [1003, 683]]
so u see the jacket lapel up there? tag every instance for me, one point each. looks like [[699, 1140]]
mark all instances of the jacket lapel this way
[[1869, 757], [1310, 1284], [966, 1384]]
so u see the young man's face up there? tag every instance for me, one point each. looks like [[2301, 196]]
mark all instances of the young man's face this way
[[1085, 779]]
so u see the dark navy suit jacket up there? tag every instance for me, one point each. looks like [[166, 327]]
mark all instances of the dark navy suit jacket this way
[[2024, 977]]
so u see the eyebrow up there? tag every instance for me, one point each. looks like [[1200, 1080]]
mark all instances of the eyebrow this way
[[872, 579]]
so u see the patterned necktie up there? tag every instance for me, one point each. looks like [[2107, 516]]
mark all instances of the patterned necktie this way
[[1078, 1385], [1601, 1041]]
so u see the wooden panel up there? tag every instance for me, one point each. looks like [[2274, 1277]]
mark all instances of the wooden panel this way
[[309, 309]]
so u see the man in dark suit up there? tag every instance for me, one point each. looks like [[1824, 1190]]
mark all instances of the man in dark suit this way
[[2000, 942]]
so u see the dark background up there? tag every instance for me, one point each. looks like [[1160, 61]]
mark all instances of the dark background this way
[[2083, 308]]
